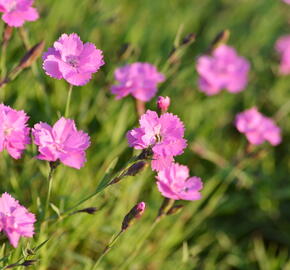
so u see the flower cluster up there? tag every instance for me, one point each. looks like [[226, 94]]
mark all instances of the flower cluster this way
[[257, 127], [138, 79], [164, 135], [283, 48], [224, 69], [15, 220]]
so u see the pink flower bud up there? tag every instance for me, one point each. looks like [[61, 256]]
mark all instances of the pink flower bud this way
[[163, 103], [135, 213]]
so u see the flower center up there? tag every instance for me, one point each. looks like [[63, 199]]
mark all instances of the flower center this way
[[73, 61], [7, 131]]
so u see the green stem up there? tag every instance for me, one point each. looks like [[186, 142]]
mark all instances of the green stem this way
[[24, 37], [107, 249], [66, 114], [128, 261], [3, 60], [50, 180]]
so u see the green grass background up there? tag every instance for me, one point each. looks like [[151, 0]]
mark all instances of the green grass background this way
[[243, 220]]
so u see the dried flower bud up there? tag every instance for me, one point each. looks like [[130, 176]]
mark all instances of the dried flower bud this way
[[136, 168], [146, 154], [28, 262], [163, 104], [188, 39], [221, 38], [89, 210], [175, 209], [135, 213], [167, 204], [7, 33], [31, 56]]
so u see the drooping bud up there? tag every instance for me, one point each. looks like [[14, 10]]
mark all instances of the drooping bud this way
[[88, 210], [175, 209], [167, 204], [163, 104], [135, 213]]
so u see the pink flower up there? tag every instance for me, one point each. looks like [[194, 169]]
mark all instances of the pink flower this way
[[61, 142], [257, 127], [72, 60], [138, 79], [174, 183], [15, 220], [16, 12], [283, 48], [163, 104], [223, 70], [287, 1], [163, 134], [14, 133]]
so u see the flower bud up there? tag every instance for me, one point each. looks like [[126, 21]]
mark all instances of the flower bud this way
[[136, 168], [175, 209], [163, 104], [135, 213]]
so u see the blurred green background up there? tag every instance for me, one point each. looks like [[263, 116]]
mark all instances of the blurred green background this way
[[243, 220]]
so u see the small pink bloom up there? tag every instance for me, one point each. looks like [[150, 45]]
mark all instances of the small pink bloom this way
[[61, 142], [163, 104], [16, 12], [72, 60], [15, 220], [135, 213], [287, 1], [174, 183], [257, 127], [163, 134], [283, 48], [224, 69], [14, 133], [138, 79]]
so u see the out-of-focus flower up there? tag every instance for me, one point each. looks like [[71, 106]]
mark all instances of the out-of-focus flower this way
[[283, 48], [135, 213], [174, 183], [163, 104], [15, 220], [14, 133], [72, 60], [224, 69], [163, 134], [138, 79], [287, 1], [61, 142], [17, 12], [257, 127]]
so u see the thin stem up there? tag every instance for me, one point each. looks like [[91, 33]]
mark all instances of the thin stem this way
[[50, 180], [3, 60], [107, 249], [140, 107], [128, 261], [24, 38], [66, 114]]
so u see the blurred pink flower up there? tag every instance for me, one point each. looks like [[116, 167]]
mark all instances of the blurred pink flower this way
[[257, 127], [14, 133], [163, 104], [138, 79], [174, 183], [287, 1], [283, 48], [72, 60], [15, 220], [16, 12], [61, 142], [224, 69], [163, 134]]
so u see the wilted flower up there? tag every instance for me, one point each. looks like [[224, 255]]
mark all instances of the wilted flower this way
[[174, 183], [163, 134], [224, 69], [163, 104], [135, 213], [257, 127], [72, 60], [138, 79], [15, 220], [61, 142], [283, 48], [14, 133], [16, 12]]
